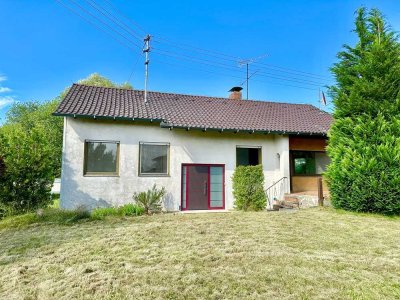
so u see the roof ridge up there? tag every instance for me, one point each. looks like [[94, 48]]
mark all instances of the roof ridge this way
[[203, 96]]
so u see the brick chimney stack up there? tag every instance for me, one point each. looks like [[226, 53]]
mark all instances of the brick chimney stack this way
[[236, 93]]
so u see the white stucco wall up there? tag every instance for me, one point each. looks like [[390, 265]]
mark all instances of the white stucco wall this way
[[185, 147]]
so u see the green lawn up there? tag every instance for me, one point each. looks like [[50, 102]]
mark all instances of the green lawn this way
[[314, 253]]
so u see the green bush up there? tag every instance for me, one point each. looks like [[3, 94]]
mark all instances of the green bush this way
[[248, 188], [28, 176], [150, 201], [124, 210]]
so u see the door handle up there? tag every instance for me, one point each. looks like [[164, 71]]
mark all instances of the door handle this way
[[205, 187]]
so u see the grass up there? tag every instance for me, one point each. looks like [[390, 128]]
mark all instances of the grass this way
[[56, 201], [314, 253], [47, 216], [58, 216]]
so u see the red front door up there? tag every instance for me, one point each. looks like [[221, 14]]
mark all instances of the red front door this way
[[198, 187], [203, 187]]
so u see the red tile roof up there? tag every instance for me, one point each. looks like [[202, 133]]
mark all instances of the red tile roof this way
[[187, 111]]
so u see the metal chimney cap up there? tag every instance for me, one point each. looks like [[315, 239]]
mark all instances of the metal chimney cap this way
[[236, 89]]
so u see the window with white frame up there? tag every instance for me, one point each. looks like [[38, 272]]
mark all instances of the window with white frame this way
[[154, 159]]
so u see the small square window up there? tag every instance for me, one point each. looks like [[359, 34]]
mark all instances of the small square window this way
[[248, 156], [154, 159], [101, 158]]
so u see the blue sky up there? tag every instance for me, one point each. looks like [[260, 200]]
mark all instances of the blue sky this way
[[44, 47]]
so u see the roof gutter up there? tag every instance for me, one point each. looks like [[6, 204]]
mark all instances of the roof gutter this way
[[163, 124], [170, 126], [94, 117]]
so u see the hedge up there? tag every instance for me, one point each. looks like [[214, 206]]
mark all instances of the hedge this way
[[248, 188]]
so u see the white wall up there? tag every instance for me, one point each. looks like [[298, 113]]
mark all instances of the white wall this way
[[56, 188], [186, 147]]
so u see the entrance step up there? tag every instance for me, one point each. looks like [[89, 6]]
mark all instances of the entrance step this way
[[287, 203]]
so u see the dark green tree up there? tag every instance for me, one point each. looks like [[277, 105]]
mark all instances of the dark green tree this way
[[364, 145]]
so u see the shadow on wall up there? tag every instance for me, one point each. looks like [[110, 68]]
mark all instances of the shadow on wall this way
[[72, 197], [168, 202]]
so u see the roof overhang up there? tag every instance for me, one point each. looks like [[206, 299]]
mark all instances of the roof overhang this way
[[167, 125]]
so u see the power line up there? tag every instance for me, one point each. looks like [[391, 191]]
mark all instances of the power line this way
[[133, 69], [228, 57], [105, 23], [199, 60], [123, 15], [94, 24], [214, 53], [225, 66], [111, 17], [288, 70], [233, 76], [222, 64]]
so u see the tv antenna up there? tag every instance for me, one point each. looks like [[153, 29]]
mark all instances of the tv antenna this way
[[247, 62]]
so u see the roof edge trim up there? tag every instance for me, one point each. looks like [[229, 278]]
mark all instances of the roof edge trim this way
[[171, 126], [106, 117]]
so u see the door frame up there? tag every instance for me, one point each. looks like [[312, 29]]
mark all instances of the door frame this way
[[208, 188]]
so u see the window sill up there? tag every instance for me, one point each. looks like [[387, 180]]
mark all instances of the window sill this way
[[100, 175], [154, 175]]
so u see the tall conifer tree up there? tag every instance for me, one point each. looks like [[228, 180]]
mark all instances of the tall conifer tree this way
[[364, 145]]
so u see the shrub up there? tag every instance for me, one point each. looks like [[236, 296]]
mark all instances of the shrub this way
[[27, 178], [124, 210], [248, 188], [150, 201]]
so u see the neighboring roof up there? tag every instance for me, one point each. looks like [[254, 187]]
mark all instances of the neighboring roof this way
[[187, 111]]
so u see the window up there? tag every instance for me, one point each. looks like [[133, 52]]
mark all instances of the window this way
[[101, 158], [309, 162], [248, 156], [216, 186], [154, 159]]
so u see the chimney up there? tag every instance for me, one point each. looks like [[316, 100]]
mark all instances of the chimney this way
[[236, 93]]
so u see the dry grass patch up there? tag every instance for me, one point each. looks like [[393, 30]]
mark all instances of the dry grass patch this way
[[305, 254]]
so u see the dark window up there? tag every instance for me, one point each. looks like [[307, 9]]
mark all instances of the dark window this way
[[309, 162], [101, 158], [154, 158], [248, 156]]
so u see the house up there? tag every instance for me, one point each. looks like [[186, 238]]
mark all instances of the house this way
[[56, 187], [116, 144]]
